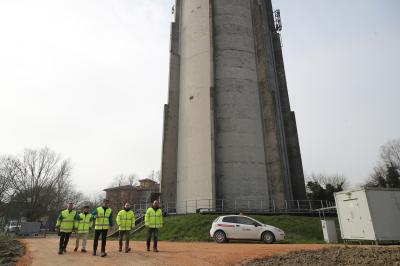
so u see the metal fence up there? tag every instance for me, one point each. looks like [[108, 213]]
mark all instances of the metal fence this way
[[236, 206]]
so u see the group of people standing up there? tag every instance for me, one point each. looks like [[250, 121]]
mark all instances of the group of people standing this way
[[82, 223]]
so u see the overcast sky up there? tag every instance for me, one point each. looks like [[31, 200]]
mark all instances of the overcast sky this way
[[89, 79]]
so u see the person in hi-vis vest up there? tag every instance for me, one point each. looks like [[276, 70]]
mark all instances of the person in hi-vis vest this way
[[153, 221], [103, 222], [65, 225], [84, 225], [126, 222]]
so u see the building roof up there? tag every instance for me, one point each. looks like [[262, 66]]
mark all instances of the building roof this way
[[130, 187], [148, 179], [126, 187]]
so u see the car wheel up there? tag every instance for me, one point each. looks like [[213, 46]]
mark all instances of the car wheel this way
[[220, 237], [268, 237]]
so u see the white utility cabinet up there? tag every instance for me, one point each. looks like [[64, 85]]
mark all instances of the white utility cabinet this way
[[369, 214], [329, 230]]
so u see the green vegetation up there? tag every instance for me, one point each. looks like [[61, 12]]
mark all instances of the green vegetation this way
[[298, 229], [4, 237], [196, 227]]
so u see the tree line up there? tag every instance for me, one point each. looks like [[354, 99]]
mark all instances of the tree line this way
[[386, 174], [35, 184]]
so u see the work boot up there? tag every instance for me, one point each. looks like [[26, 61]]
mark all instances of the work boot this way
[[83, 250], [103, 254], [120, 249], [94, 252], [127, 250], [155, 249], [75, 249], [148, 249], [60, 252]]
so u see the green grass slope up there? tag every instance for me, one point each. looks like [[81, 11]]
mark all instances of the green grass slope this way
[[196, 227]]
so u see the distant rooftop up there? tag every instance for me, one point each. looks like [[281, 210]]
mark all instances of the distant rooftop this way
[[139, 187], [147, 179], [120, 187]]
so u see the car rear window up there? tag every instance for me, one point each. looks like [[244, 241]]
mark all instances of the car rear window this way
[[229, 219]]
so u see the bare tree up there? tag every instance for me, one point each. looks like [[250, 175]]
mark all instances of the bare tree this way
[[125, 180], [133, 179], [155, 175], [389, 157], [41, 183], [323, 187], [390, 153], [93, 201], [377, 178], [337, 180], [118, 180], [7, 174]]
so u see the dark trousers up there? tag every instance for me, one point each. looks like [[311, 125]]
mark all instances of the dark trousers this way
[[97, 234], [64, 238], [152, 231], [124, 234]]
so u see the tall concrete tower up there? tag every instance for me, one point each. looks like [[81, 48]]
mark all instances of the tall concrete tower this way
[[229, 132]]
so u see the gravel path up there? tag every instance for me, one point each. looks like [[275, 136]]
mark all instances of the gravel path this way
[[336, 256]]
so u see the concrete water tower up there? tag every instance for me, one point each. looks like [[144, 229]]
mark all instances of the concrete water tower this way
[[229, 132]]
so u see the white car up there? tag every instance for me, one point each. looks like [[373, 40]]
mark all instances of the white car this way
[[241, 227], [12, 226]]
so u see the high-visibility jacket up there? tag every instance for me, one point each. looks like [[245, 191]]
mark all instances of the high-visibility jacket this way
[[66, 221], [126, 220], [85, 223], [153, 218], [103, 219]]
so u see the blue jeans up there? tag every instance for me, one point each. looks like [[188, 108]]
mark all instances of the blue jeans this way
[[152, 231]]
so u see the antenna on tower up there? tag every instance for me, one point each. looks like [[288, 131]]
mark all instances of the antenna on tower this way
[[278, 24], [278, 21]]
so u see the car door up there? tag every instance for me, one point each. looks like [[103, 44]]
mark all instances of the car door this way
[[246, 228], [228, 225]]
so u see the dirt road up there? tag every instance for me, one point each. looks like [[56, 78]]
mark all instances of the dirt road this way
[[43, 252]]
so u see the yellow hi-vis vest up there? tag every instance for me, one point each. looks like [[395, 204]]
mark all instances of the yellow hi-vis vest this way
[[153, 219], [85, 223], [102, 219], [126, 220], [67, 221]]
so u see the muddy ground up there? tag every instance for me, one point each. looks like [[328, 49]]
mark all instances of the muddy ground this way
[[336, 256], [10, 251]]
